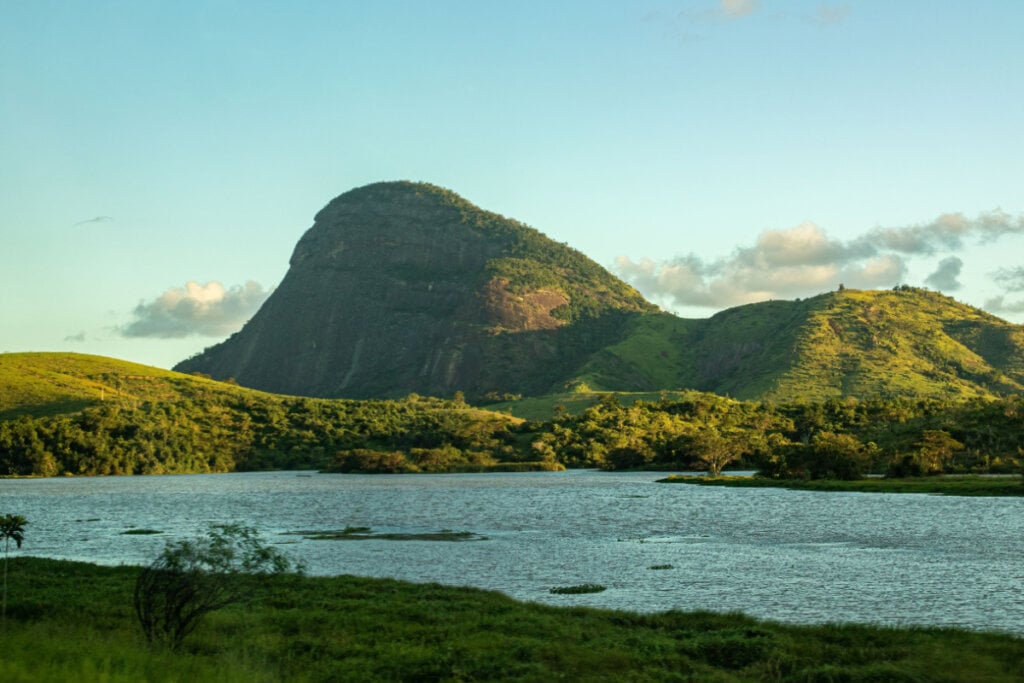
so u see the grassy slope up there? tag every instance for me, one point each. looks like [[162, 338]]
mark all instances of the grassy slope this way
[[851, 343], [71, 621], [41, 384]]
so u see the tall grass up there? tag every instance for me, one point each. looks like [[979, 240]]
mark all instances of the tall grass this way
[[72, 621]]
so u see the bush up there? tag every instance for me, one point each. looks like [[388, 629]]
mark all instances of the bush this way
[[193, 578]]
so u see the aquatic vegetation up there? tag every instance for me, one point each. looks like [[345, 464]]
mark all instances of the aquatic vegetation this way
[[363, 533], [577, 590]]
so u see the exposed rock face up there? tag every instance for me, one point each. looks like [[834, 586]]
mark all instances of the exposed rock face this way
[[405, 287]]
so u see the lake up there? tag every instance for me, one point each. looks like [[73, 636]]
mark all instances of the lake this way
[[792, 556]]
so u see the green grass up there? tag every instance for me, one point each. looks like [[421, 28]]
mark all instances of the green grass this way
[[950, 485], [72, 621]]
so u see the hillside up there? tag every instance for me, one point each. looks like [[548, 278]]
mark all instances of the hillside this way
[[903, 342], [75, 414], [41, 384], [406, 287]]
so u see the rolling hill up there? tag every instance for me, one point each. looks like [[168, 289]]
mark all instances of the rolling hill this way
[[63, 413], [904, 342]]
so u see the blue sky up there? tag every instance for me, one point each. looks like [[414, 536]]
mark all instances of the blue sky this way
[[159, 160]]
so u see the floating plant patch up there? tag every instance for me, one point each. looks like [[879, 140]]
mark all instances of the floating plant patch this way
[[363, 533], [576, 590]]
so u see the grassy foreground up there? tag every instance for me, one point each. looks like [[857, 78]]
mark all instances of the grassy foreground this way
[[72, 621], [949, 485]]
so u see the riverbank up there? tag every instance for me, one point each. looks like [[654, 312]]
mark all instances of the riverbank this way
[[74, 621], [949, 485]]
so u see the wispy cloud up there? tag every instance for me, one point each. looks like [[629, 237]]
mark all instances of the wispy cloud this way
[[204, 310], [96, 219], [946, 276], [948, 231], [999, 304], [1010, 279], [76, 337], [736, 9], [804, 260], [827, 15]]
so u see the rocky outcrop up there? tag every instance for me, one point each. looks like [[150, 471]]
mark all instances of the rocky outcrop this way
[[405, 287]]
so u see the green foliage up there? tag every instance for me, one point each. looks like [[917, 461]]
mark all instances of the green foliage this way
[[174, 423], [358, 629], [192, 578]]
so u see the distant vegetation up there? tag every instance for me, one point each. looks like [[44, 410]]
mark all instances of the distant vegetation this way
[[120, 419], [951, 485]]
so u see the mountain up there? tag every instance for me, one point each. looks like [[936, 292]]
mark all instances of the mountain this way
[[404, 287]]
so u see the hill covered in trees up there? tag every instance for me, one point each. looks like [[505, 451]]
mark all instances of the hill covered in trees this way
[[71, 414], [75, 414]]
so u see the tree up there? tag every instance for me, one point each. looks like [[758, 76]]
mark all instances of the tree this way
[[12, 528], [713, 450], [190, 579]]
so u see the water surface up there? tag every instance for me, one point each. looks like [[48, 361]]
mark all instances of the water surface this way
[[796, 556]]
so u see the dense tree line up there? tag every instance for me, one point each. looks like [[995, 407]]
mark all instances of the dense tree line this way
[[221, 432], [831, 439], [226, 431]]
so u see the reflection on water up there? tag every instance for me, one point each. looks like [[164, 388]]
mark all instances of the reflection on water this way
[[796, 556]]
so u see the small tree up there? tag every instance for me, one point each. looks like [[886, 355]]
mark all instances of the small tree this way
[[713, 450], [12, 528], [190, 579]]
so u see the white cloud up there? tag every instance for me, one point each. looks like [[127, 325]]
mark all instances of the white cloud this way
[[804, 260], [783, 263], [206, 310]]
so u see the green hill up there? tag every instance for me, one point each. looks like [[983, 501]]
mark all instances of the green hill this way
[[903, 342], [74, 414], [40, 384]]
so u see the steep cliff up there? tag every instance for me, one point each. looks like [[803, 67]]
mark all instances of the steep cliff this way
[[405, 287]]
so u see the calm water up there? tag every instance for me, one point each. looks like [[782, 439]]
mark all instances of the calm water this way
[[786, 555]]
